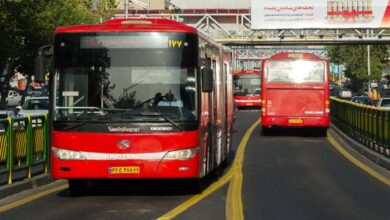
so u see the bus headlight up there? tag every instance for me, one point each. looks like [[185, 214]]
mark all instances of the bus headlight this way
[[63, 154], [184, 154]]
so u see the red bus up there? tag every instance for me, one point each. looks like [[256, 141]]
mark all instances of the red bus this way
[[247, 88], [295, 92], [139, 98]]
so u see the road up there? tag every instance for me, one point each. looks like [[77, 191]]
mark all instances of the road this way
[[287, 175]]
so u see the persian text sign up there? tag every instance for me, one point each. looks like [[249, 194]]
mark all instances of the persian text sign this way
[[299, 14]]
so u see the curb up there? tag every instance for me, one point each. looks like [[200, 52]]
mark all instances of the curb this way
[[26, 184], [363, 150]]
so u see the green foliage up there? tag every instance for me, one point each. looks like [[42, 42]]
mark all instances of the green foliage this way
[[31, 24], [354, 58], [26, 25]]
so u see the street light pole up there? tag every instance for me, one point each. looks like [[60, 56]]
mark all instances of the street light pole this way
[[368, 60], [368, 67], [126, 9]]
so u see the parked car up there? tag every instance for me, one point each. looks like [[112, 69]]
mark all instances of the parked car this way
[[384, 103], [345, 93], [13, 98], [362, 100], [34, 106], [6, 113]]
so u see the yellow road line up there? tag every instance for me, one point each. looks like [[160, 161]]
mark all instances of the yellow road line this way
[[195, 199], [31, 198], [358, 163], [234, 208], [235, 193]]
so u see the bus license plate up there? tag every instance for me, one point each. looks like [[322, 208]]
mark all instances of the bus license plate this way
[[124, 170], [295, 121], [249, 104]]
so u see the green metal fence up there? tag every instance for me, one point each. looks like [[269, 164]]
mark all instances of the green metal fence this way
[[23, 145], [367, 124]]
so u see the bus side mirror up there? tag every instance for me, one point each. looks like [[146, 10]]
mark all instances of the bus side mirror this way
[[207, 80], [43, 62], [39, 69]]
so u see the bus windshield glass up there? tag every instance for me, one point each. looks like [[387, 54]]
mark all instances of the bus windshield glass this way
[[295, 71], [126, 77], [246, 85]]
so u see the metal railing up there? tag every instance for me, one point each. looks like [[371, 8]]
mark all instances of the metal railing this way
[[368, 125], [23, 145]]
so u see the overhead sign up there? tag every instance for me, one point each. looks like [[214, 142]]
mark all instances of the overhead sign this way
[[340, 14]]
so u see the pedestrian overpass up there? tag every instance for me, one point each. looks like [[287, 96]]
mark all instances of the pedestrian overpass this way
[[232, 27]]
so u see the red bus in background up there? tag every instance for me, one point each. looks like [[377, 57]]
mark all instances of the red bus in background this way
[[247, 88], [138, 98], [295, 92]]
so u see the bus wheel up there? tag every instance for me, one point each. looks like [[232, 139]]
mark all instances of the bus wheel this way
[[78, 186]]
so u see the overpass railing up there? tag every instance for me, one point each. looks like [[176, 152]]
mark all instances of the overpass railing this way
[[23, 147], [368, 125]]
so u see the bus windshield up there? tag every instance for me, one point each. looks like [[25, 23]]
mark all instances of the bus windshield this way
[[126, 77], [295, 71], [248, 84]]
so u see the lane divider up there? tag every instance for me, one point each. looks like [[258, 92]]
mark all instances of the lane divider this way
[[234, 208], [358, 163]]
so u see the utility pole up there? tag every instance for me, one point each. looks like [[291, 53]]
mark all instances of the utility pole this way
[[368, 60], [126, 9], [368, 67]]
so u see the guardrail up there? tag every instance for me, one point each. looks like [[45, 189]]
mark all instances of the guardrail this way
[[23, 144], [368, 125]]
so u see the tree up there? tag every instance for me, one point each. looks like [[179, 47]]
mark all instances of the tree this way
[[30, 24], [354, 58], [8, 48]]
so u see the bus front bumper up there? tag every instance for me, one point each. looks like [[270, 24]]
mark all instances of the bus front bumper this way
[[125, 169]]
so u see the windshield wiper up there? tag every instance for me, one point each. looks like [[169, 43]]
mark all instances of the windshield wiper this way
[[157, 113], [81, 123], [79, 107], [80, 110]]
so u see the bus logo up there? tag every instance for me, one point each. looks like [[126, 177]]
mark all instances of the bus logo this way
[[123, 144]]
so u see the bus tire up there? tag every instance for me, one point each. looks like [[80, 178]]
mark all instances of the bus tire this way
[[78, 186]]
